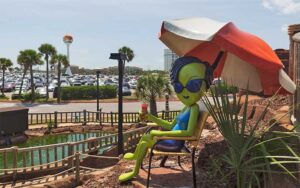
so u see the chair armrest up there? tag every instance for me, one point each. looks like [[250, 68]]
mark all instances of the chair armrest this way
[[187, 138], [151, 124]]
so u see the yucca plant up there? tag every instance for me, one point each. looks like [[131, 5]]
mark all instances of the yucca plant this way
[[254, 152]]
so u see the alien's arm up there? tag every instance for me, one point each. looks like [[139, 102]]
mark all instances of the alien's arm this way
[[160, 122], [193, 121]]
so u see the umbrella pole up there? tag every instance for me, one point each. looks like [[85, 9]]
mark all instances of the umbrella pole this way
[[217, 60]]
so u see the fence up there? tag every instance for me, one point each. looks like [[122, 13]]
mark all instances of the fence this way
[[89, 116], [23, 163]]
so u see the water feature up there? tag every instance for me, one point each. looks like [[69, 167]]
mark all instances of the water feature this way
[[47, 140]]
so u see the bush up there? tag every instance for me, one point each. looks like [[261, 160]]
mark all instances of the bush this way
[[13, 97], [223, 89], [88, 92], [27, 96], [50, 125], [3, 97]]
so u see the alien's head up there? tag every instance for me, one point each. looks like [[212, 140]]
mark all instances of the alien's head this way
[[190, 77]]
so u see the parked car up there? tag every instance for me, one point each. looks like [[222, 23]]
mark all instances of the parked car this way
[[90, 83], [38, 84], [126, 91], [41, 91], [132, 84], [8, 87], [51, 87], [76, 84]]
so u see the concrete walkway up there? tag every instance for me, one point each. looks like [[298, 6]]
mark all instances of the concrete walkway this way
[[106, 107]]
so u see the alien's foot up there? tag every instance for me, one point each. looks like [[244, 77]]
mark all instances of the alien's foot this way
[[129, 156], [126, 176]]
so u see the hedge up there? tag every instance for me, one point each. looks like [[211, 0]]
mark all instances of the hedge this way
[[88, 92], [224, 88]]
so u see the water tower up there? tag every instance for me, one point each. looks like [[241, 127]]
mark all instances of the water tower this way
[[68, 39]]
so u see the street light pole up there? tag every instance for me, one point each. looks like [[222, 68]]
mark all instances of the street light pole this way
[[120, 107], [121, 63], [98, 72]]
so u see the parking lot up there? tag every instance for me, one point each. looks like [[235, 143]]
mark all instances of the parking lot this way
[[14, 80]]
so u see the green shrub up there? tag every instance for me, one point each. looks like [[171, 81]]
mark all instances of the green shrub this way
[[88, 92], [3, 97], [13, 97], [50, 125], [223, 89], [27, 96]]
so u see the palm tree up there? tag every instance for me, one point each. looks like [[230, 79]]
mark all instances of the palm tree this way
[[48, 51], [151, 86], [4, 65], [128, 52], [59, 59], [28, 58], [167, 92], [22, 61]]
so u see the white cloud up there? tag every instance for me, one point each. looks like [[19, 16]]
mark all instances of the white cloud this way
[[282, 6]]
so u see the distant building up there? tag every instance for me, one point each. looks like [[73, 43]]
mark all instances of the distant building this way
[[169, 58], [283, 55]]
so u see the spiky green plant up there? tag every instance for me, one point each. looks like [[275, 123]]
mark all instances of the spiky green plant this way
[[254, 153]]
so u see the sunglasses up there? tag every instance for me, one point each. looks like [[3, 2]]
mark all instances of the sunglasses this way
[[193, 86]]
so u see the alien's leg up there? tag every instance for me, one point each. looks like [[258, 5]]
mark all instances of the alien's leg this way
[[132, 156], [143, 148]]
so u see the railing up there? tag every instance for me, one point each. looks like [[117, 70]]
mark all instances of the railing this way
[[89, 116], [32, 161]]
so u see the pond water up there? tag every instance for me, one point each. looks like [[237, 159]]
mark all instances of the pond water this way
[[47, 140], [59, 138]]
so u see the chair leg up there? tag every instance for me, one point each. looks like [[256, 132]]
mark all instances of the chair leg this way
[[148, 177], [193, 166], [179, 163], [142, 166], [163, 161]]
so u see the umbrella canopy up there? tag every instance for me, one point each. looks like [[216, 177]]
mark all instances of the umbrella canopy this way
[[239, 58]]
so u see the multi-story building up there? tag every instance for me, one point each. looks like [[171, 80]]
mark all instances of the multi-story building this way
[[169, 58]]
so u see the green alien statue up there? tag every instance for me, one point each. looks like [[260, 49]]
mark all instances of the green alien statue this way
[[190, 78]]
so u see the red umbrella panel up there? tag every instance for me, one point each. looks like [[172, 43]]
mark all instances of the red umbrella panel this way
[[246, 60]]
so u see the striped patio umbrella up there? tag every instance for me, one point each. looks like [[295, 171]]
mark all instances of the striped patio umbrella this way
[[239, 58]]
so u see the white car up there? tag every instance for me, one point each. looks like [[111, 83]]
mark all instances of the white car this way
[[132, 84], [51, 87], [41, 91]]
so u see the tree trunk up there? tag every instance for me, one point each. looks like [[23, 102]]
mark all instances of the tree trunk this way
[[167, 106], [153, 108], [47, 77], [3, 74], [58, 82], [20, 91], [32, 85]]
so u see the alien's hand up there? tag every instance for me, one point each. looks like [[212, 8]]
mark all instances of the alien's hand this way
[[143, 116]]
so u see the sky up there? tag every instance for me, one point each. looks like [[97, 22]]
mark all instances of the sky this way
[[100, 27]]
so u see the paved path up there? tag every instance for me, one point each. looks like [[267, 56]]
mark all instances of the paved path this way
[[106, 107]]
